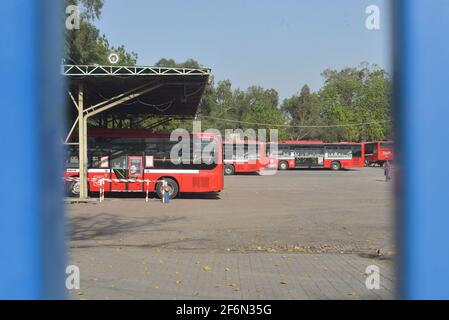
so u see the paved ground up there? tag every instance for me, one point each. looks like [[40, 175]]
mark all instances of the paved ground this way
[[297, 235]]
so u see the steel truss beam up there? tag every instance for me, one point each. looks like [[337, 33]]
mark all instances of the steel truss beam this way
[[85, 70]]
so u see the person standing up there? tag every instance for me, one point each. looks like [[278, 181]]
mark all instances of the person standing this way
[[387, 171]]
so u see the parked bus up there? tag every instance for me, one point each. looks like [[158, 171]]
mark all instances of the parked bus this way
[[315, 154], [244, 157], [378, 152], [126, 155]]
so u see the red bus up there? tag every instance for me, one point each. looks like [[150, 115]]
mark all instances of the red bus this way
[[315, 154], [244, 157], [378, 152], [123, 155]]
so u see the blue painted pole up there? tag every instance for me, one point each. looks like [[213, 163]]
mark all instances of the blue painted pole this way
[[422, 89], [32, 264]]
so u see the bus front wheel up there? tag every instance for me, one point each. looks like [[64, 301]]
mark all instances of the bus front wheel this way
[[283, 165], [173, 188], [335, 166], [229, 170]]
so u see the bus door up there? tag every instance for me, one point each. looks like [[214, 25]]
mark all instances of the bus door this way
[[135, 171], [119, 170]]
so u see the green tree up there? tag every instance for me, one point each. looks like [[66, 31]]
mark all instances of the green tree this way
[[86, 45], [355, 96], [303, 110], [170, 63]]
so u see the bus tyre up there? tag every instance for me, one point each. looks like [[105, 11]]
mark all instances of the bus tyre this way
[[173, 188], [229, 170], [283, 165], [335, 166], [73, 188]]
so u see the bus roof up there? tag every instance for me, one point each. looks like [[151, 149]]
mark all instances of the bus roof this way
[[137, 133], [301, 142], [316, 142], [386, 141], [242, 142]]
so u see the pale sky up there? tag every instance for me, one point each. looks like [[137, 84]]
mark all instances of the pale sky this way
[[276, 44]]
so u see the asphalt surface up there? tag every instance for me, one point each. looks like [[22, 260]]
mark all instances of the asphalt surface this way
[[295, 210], [307, 234]]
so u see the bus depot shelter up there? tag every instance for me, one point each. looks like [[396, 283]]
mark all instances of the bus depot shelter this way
[[125, 96]]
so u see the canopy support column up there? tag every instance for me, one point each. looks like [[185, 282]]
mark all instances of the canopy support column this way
[[82, 156]]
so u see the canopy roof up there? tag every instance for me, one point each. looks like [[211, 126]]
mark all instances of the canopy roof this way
[[176, 91]]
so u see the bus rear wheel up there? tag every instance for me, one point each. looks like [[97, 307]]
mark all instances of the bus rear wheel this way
[[173, 188], [283, 165], [229, 170], [73, 188], [335, 166]]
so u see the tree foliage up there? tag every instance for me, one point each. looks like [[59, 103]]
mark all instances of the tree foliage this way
[[303, 109], [352, 105], [356, 96], [86, 45], [359, 95]]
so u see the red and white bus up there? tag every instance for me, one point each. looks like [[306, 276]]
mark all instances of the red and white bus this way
[[121, 156], [315, 154], [378, 152], [244, 157]]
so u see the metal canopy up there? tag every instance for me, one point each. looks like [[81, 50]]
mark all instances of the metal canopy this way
[[96, 70], [178, 91], [126, 92]]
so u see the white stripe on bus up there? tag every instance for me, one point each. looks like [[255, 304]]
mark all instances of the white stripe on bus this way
[[146, 171], [241, 161], [99, 170], [172, 171]]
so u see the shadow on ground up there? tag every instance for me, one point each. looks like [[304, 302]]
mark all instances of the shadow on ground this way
[[153, 196], [105, 225]]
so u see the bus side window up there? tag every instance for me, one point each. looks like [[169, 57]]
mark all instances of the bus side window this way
[[104, 162], [95, 162], [369, 148], [72, 160], [357, 151]]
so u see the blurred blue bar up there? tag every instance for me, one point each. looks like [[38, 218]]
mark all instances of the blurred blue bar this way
[[32, 249], [422, 69]]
